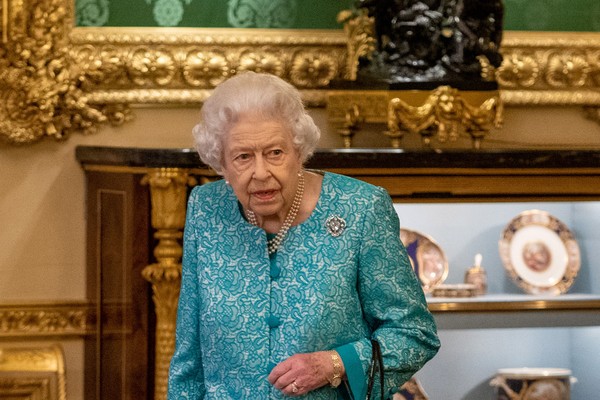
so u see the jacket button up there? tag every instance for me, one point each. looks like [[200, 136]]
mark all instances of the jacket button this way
[[273, 321], [275, 271]]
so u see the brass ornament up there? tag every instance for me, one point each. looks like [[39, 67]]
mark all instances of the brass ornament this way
[[445, 113], [168, 191], [550, 68], [205, 68], [360, 31], [313, 69], [42, 87], [518, 70], [46, 320]]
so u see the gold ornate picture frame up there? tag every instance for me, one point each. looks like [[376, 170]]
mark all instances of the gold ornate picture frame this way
[[56, 79]]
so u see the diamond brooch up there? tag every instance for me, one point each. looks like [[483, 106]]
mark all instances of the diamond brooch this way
[[335, 225]]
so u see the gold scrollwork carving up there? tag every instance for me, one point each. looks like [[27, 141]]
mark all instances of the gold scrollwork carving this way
[[544, 68], [60, 319], [313, 69], [151, 67], [518, 70], [168, 194], [202, 58], [360, 30], [445, 112], [568, 69], [205, 69], [43, 88]]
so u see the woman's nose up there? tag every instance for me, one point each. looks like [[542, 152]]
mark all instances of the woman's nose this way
[[261, 168]]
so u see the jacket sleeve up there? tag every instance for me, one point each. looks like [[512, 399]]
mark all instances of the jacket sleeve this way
[[393, 303], [186, 378]]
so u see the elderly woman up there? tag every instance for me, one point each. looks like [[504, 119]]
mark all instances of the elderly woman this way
[[288, 273]]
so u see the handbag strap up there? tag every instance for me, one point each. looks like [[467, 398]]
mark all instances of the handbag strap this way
[[376, 366]]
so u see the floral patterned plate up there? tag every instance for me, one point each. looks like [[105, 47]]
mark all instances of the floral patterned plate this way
[[539, 253], [427, 258]]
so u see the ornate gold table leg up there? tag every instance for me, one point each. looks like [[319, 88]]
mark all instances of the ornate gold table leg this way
[[168, 189]]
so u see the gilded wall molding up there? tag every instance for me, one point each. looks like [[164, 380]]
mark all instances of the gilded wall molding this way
[[56, 79], [550, 68], [147, 65], [59, 319]]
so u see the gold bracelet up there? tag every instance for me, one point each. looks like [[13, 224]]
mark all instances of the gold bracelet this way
[[336, 379]]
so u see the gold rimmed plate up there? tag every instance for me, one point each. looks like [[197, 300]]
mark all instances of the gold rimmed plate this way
[[540, 253], [426, 257]]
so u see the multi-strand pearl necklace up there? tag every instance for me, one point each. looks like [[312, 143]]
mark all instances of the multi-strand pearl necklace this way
[[274, 243]]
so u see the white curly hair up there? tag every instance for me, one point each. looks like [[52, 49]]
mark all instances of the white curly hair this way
[[260, 94]]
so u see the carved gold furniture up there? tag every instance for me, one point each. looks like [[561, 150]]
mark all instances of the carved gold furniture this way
[[32, 373], [441, 113], [136, 202]]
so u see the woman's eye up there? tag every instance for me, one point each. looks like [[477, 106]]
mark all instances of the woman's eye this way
[[276, 152], [242, 157]]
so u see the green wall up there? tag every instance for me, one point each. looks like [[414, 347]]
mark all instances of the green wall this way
[[537, 15], [552, 15]]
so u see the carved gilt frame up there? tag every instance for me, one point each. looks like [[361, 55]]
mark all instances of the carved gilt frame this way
[[56, 79]]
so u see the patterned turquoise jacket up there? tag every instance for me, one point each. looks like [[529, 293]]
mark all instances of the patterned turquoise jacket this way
[[241, 312]]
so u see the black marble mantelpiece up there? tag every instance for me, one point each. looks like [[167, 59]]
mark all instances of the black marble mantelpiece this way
[[358, 158]]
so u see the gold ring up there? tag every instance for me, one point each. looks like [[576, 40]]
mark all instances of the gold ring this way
[[294, 387]]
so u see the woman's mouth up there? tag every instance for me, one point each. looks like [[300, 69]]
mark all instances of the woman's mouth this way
[[264, 195]]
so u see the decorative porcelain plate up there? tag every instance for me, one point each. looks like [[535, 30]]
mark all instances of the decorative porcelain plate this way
[[426, 257], [539, 253]]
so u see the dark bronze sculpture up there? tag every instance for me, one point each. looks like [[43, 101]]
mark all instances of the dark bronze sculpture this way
[[436, 41]]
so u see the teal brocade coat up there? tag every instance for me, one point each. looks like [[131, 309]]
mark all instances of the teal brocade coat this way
[[241, 312]]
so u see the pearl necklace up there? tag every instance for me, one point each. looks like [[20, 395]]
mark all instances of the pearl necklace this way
[[274, 243]]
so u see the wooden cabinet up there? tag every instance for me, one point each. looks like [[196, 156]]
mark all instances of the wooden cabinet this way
[[462, 195]]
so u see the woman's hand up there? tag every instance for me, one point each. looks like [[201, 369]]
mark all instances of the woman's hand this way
[[302, 373]]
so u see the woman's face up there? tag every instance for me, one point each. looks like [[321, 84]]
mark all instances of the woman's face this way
[[261, 164]]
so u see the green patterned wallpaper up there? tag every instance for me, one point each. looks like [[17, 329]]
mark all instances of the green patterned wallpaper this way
[[296, 14], [537, 15]]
